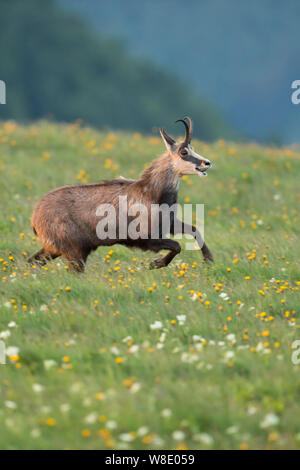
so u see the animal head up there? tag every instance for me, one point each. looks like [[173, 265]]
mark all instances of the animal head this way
[[184, 159]]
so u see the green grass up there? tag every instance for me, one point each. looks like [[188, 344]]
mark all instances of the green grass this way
[[176, 390]]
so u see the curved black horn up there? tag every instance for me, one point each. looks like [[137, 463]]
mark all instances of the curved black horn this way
[[191, 127], [187, 131], [168, 139]]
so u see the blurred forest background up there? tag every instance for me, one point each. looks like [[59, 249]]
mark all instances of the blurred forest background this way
[[137, 65]]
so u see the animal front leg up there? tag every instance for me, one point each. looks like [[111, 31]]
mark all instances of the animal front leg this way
[[76, 260], [181, 227], [164, 244]]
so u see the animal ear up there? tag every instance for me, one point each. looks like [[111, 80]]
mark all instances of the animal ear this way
[[169, 142]]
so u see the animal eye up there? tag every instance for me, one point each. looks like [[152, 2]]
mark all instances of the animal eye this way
[[183, 152]]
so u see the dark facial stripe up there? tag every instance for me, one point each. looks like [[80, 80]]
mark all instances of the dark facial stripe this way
[[190, 158]]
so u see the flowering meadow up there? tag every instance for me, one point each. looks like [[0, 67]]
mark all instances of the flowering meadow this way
[[123, 357]]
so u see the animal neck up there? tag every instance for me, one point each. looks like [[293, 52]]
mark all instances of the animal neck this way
[[160, 178]]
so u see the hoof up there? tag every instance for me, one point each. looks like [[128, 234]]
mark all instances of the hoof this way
[[157, 264]]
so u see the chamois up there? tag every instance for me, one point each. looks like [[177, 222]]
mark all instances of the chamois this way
[[65, 220]]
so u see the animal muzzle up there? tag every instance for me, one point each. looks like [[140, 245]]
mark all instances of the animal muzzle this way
[[202, 166]]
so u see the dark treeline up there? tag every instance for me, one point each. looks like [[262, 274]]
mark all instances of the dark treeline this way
[[242, 55], [54, 66]]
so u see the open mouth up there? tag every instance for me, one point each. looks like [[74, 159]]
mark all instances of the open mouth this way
[[201, 170]]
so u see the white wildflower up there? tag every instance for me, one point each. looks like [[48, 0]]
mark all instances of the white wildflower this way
[[142, 431], [197, 338], [65, 407], [37, 388], [48, 363], [111, 424], [229, 355], [12, 351], [126, 437], [125, 340], [162, 337], [204, 438], [188, 358], [231, 337], [134, 348], [35, 433], [91, 418], [166, 413], [251, 410], [243, 346], [269, 420], [10, 404], [156, 325], [135, 387], [224, 296], [157, 442], [46, 410], [5, 334], [178, 435], [76, 387], [181, 319], [114, 350], [232, 430]]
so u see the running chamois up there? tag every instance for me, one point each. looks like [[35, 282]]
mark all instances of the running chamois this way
[[66, 219]]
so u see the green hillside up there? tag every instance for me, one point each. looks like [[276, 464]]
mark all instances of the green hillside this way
[[55, 67], [240, 55], [125, 357]]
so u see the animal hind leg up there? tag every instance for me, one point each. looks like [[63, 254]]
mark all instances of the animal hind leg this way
[[42, 256]]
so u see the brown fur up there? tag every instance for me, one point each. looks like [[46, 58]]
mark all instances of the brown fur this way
[[65, 219]]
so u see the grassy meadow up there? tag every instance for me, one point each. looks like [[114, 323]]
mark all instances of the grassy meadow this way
[[123, 357]]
